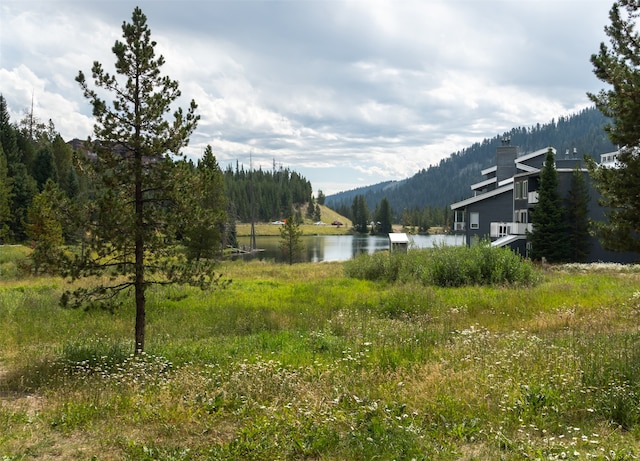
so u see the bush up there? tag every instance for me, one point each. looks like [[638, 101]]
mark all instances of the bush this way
[[446, 266], [376, 266]]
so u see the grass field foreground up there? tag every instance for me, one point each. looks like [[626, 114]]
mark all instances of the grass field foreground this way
[[301, 362]]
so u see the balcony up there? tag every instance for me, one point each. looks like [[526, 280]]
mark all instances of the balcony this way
[[502, 229]]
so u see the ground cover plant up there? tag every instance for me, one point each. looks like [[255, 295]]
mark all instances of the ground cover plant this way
[[302, 362]]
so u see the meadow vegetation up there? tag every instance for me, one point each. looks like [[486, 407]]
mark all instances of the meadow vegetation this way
[[305, 362]]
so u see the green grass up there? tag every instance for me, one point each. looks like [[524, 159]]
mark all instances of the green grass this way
[[301, 362], [13, 261], [308, 227]]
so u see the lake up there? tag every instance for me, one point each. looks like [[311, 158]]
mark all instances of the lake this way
[[319, 248]]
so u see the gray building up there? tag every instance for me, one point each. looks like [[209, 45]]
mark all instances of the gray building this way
[[500, 207]]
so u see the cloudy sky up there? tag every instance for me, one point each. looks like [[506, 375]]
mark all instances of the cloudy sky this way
[[348, 93]]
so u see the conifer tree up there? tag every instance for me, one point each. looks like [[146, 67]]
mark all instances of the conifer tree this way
[[44, 167], [205, 209], [5, 196], [290, 242], [578, 217], [618, 65], [44, 228], [130, 235], [360, 213], [62, 157], [549, 235], [384, 217], [24, 189]]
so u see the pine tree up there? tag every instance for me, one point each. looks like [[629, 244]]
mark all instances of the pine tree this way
[[549, 235], [5, 197], [44, 228], [134, 222], [8, 137], [205, 208], [578, 217], [317, 213], [290, 242], [618, 65], [360, 213], [24, 189], [44, 167], [384, 217], [62, 157]]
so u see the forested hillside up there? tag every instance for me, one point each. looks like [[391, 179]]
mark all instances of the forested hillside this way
[[450, 180], [275, 193], [33, 153]]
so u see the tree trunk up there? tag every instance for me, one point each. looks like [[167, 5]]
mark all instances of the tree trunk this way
[[139, 281], [139, 227], [140, 302]]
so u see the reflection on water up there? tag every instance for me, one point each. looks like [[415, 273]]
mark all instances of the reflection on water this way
[[318, 248]]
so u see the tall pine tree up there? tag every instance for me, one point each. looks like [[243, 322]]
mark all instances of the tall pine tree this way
[[205, 207], [618, 65], [384, 217], [131, 233], [549, 235], [578, 217], [360, 213]]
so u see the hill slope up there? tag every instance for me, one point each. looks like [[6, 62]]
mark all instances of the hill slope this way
[[450, 180]]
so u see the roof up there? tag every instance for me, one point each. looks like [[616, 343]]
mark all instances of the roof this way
[[481, 184], [491, 169], [480, 197], [398, 237], [534, 154], [506, 240]]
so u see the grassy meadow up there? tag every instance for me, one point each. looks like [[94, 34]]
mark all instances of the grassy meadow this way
[[307, 227], [304, 362]]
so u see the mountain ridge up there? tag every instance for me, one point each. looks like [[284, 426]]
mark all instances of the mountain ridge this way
[[450, 180]]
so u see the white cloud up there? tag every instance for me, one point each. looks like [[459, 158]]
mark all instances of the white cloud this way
[[360, 91]]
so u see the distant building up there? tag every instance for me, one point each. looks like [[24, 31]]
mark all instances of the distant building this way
[[89, 150], [398, 242], [501, 203]]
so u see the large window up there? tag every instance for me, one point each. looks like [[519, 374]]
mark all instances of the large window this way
[[474, 220]]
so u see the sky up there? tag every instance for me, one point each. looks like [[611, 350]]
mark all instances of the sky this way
[[347, 93]]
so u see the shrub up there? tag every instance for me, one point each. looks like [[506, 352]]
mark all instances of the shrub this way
[[446, 266]]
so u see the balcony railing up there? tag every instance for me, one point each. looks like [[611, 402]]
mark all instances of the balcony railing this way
[[459, 226], [502, 229]]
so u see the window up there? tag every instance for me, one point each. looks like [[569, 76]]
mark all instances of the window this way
[[522, 189], [459, 224], [521, 216], [474, 220]]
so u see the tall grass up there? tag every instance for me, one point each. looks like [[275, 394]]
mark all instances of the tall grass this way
[[300, 362], [446, 266]]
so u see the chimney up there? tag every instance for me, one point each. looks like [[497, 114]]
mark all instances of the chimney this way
[[506, 160]]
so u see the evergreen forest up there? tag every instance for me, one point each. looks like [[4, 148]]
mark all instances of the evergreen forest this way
[[33, 153], [265, 195]]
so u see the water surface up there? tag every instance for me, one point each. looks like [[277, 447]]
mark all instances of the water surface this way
[[318, 248]]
